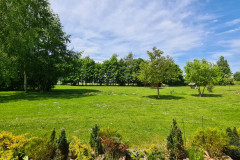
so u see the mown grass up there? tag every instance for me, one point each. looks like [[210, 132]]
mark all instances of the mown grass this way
[[136, 112]]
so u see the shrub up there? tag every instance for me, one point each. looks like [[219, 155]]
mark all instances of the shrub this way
[[41, 148], [233, 135], [112, 142], [175, 143], [234, 150], [12, 147], [154, 153], [95, 141], [81, 150], [62, 146], [194, 154], [211, 140]]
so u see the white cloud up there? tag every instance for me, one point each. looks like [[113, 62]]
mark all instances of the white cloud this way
[[110, 26], [233, 22], [230, 31]]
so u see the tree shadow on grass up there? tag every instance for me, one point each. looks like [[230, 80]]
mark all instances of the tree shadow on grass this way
[[55, 94], [207, 95], [168, 97]]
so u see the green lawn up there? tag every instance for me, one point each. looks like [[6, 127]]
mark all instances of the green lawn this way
[[134, 111]]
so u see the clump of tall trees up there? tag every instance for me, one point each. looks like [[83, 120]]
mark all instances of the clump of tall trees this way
[[33, 47]]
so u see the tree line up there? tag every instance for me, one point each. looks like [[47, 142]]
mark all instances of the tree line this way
[[115, 71]]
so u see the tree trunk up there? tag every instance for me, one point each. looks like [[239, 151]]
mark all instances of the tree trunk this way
[[158, 92], [199, 92], [25, 81]]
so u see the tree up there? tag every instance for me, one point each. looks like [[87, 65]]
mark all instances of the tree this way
[[160, 69], [32, 35], [88, 69], [143, 74], [175, 143], [135, 70], [113, 69], [178, 79], [121, 78], [236, 76], [203, 73], [95, 141], [62, 146], [228, 80], [224, 68], [129, 67]]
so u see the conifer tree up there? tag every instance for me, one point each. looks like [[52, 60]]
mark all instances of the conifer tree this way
[[62, 146], [52, 144], [175, 143], [95, 141]]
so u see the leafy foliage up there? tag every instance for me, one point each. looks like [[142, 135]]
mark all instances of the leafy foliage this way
[[158, 69], [81, 150], [195, 154], [31, 36], [40, 148], [12, 147], [154, 153], [201, 72], [112, 142], [211, 140], [236, 76], [224, 69]]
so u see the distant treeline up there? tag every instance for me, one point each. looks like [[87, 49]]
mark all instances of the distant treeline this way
[[123, 71]]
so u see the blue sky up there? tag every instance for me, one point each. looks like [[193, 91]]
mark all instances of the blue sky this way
[[183, 29]]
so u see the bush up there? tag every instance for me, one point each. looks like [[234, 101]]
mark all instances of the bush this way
[[211, 140], [62, 146], [154, 153], [12, 147], [112, 142], [81, 150], [234, 150], [194, 154], [233, 135], [41, 148], [175, 143]]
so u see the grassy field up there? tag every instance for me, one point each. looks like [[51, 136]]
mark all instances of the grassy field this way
[[134, 111]]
